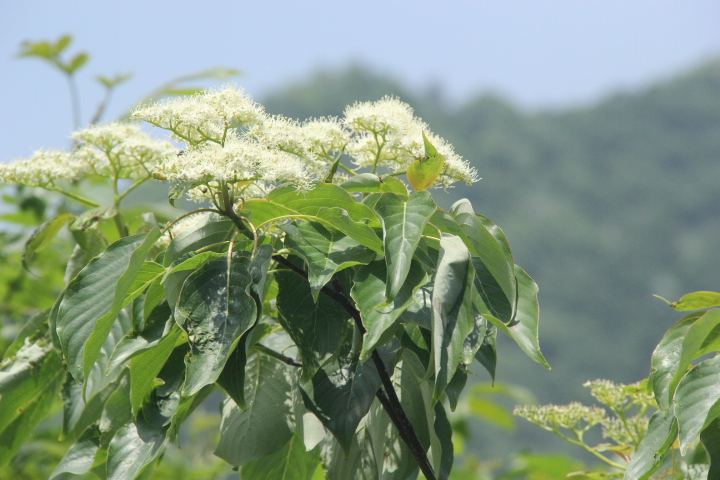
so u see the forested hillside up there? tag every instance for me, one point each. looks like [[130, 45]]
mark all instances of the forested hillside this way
[[605, 205]]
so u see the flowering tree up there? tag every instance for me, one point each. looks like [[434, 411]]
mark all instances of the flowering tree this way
[[338, 311]]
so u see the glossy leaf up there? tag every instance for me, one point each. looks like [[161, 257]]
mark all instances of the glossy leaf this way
[[317, 329], [693, 340], [232, 377], [80, 457], [696, 401], [292, 462], [488, 243], [132, 448], [453, 318], [322, 195], [94, 298], [524, 328], [215, 309], [135, 343], [325, 252], [403, 222], [267, 424], [340, 393], [378, 316], [651, 452]]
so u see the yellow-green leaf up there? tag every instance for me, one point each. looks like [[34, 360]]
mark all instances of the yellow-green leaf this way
[[424, 171]]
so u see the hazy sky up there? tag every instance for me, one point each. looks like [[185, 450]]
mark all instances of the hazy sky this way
[[538, 53]]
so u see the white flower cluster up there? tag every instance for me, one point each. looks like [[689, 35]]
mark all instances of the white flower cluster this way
[[114, 150], [625, 432], [231, 144], [240, 163], [207, 116], [574, 416], [389, 135]]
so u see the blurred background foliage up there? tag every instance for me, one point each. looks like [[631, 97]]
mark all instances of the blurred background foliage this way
[[605, 205]]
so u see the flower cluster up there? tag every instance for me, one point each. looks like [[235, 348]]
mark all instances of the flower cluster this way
[[114, 150], [575, 416], [229, 145]]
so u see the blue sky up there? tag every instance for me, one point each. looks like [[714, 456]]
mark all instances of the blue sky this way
[[539, 54]]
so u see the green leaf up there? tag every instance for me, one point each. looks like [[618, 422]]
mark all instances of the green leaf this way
[[77, 62], [337, 218], [325, 252], [94, 298], [378, 316], [215, 309], [318, 329], [487, 354], [132, 448], [423, 172], [697, 301], [487, 241], [651, 452], [267, 424], [122, 297], [80, 457], [404, 220], [696, 401], [322, 195], [145, 367], [42, 236], [453, 318], [290, 463], [340, 393], [524, 328], [135, 343], [710, 438], [232, 377], [666, 358], [443, 431], [371, 183], [692, 345]]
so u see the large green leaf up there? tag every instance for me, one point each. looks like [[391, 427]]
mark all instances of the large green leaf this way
[[524, 328], [93, 300], [325, 252], [697, 301], [232, 377], [322, 195], [696, 400], [378, 315], [488, 242], [665, 360], [651, 452], [133, 447], [317, 329], [215, 309], [403, 220], [29, 383], [267, 424], [340, 394], [443, 431], [693, 340], [292, 462], [452, 306]]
